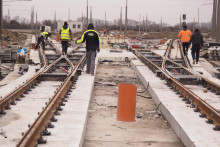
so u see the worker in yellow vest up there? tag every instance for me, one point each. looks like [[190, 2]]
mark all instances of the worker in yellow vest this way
[[65, 37], [185, 36], [41, 39]]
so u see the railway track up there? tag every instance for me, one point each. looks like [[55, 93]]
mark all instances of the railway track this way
[[64, 71], [195, 90]]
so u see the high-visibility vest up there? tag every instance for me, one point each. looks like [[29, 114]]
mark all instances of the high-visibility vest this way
[[43, 34], [185, 36], [65, 33]]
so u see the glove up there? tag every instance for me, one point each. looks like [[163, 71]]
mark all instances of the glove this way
[[98, 50], [75, 41]]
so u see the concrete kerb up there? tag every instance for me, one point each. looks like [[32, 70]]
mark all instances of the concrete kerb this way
[[172, 121], [87, 112]]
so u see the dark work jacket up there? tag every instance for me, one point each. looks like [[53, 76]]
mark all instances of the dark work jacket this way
[[197, 39], [92, 40]]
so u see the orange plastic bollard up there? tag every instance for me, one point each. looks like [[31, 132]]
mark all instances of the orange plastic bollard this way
[[57, 38], [126, 102]]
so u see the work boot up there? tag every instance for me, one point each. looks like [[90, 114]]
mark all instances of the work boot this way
[[194, 61], [92, 74], [88, 72]]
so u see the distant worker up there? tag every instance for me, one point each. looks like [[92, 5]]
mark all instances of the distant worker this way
[[104, 32], [185, 35], [92, 45], [65, 37], [41, 39], [197, 44]]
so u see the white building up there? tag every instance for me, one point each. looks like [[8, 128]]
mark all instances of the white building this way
[[75, 26]]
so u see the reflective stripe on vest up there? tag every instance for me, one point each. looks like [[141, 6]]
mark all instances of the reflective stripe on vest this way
[[185, 36], [43, 34], [65, 33]]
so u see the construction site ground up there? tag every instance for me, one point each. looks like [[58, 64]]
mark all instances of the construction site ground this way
[[103, 129]]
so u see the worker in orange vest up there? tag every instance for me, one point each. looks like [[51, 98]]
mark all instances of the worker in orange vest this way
[[185, 36]]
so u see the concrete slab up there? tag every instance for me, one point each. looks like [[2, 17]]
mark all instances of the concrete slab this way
[[11, 76], [73, 118], [190, 128], [4, 90], [115, 56], [34, 56], [204, 67], [16, 121]]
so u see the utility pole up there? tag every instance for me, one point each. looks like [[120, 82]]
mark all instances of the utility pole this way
[[218, 23], [143, 25], [105, 20], [198, 19], [146, 22], [194, 24], [121, 20], [90, 14], [126, 16], [214, 19], [82, 16], [87, 11], [55, 16], [36, 21], [55, 19], [139, 23], [32, 19], [9, 18], [161, 25], [1, 7], [180, 22]]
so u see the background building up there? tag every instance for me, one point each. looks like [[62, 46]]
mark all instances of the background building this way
[[75, 26]]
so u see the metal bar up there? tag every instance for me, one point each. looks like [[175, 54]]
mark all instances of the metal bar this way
[[31, 136], [204, 107], [218, 23], [1, 21]]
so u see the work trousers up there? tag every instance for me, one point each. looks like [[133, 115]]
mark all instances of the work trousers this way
[[64, 46], [195, 52], [90, 61], [40, 40], [185, 47]]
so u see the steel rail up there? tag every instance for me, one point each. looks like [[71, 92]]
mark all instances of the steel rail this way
[[5, 102], [16, 93], [31, 137], [211, 114], [206, 82], [167, 59], [207, 110]]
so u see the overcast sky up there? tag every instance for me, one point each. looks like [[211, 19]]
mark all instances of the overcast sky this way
[[169, 10]]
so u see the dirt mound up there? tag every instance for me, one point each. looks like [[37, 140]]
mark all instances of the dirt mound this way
[[10, 37]]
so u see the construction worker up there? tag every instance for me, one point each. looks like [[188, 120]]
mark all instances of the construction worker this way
[[92, 45], [65, 37], [105, 32], [41, 39], [197, 44], [185, 36]]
